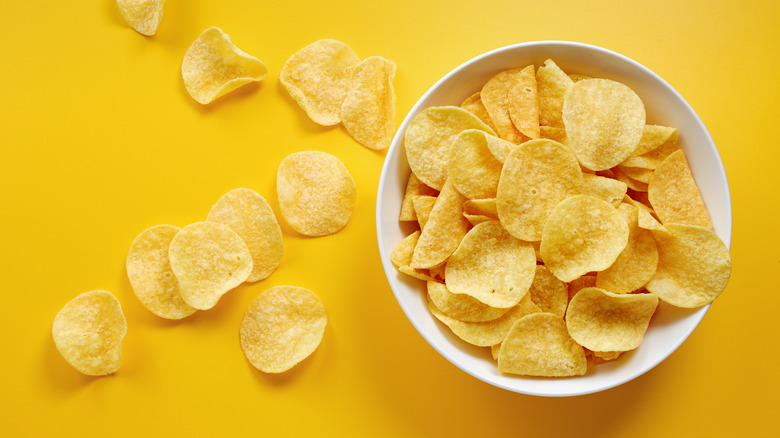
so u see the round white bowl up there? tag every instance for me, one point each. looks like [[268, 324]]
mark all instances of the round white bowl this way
[[670, 326]]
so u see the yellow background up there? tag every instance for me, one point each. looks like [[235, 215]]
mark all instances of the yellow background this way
[[100, 140]]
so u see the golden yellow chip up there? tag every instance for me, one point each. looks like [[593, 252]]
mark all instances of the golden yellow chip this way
[[316, 192], [549, 293], [603, 321], [604, 121], [282, 326], [537, 175], [444, 230], [142, 15], [476, 219], [150, 274], [581, 283], [553, 133], [472, 167], [491, 266], [576, 77], [653, 137], [249, 215], [524, 103], [636, 173], [632, 184], [500, 148], [461, 306], [429, 137], [485, 207], [553, 84], [674, 195], [496, 97], [368, 110], [694, 266], [636, 264], [583, 234], [88, 333], [607, 189], [539, 345], [213, 66], [318, 79], [414, 188], [208, 259], [600, 357], [423, 206], [474, 105], [401, 258]]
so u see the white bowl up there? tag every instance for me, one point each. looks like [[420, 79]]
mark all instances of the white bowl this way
[[670, 326]]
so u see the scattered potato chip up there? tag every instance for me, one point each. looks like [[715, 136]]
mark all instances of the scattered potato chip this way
[[150, 274], [461, 306], [368, 110], [537, 175], [444, 230], [208, 259], [604, 321], [316, 192], [213, 66], [88, 333], [549, 293], [674, 195], [694, 266], [607, 189], [634, 267], [604, 120], [423, 206], [318, 79], [249, 215], [282, 326], [474, 105], [491, 266], [428, 139], [539, 345], [496, 97], [142, 15], [582, 234], [472, 167], [414, 188], [553, 84], [524, 103]]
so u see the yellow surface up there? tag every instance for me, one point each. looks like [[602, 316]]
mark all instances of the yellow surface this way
[[100, 140]]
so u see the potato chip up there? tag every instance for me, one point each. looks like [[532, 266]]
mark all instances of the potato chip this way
[[494, 349], [653, 137], [472, 167], [444, 230], [637, 173], [636, 264], [604, 120], [318, 79], [423, 206], [368, 110], [632, 184], [553, 133], [549, 293], [213, 66], [496, 97], [656, 156], [491, 266], [461, 306], [582, 234], [437, 272], [428, 139], [88, 333], [316, 192], [150, 274], [537, 175], [474, 105], [600, 357], [402, 253], [486, 333], [142, 15], [539, 345], [607, 189], [524, 103], [694, 266], [578, 284], [282, 327], [414, 188], [485, 207], [576, 77], [553, 84], [476, 219], [603, 321], [208, 259], [674, 195], [249, 215]]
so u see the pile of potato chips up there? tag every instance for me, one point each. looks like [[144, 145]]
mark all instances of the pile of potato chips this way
[[552, 218]]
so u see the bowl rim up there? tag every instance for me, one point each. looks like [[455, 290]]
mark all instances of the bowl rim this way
[[724, 233]]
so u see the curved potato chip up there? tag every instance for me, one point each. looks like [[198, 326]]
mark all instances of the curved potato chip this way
[[491, 266], [316, 192], [549, 293], [474, 105], [476, 219], [674, 195], [582, 234], [282, 326], [694, 266], [553, 84], [213, 66], [581, 283], [318, 79], [429, 137], [88, 333], [637, 263], [249, 215], [607, 189], [423, 206], [637, 173], [461, 306], [414, 188], [151, 276], [484, 207], [524, 103], [142, 15], [402, 253], [537, 175], [368, 110], [604, 120], [604, 321], [472, 167], [208, 259], [444, 230], [653, 137], [539, 345], [496, 97]]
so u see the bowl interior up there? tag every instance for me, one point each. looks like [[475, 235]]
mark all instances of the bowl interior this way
[[670, 326]]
